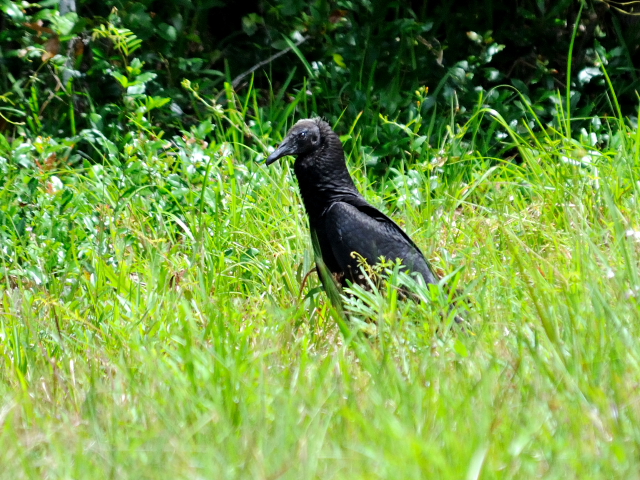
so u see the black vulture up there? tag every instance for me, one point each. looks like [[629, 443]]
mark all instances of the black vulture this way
[[338, 214]]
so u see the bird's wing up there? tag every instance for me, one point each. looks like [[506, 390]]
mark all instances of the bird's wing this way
[[364, 229]]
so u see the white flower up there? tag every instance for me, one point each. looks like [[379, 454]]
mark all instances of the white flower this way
[[633, 233]]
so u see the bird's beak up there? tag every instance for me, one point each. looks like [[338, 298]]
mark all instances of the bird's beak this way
[[285, 148]]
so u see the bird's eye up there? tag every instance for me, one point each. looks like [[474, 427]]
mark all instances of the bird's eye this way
[[303, 134]]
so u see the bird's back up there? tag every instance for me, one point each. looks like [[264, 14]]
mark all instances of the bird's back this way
[[352, 228]]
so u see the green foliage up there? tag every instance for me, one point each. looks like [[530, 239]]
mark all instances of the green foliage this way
[[375, 54], [81, 78], [358, 60], [157, 319]]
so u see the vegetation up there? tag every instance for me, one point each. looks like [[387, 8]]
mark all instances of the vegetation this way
[[155, 319]]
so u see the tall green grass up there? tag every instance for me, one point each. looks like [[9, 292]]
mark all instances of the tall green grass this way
[[152, 322]]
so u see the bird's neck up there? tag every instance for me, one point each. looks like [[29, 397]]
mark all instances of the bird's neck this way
[[324, 182]]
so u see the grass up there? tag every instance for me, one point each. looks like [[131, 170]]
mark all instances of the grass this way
[[152, 323]]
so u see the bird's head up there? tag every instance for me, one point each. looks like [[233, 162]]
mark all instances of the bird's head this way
[[303, 138]]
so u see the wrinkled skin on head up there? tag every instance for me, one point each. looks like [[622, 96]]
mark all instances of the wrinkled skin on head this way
[[320, 166], [304, 137]]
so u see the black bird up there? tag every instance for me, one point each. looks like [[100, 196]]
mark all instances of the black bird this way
[[338, 214]]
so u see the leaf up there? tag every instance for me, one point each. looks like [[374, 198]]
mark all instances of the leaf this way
[[137, 89], [156, 102], [5, 146], [417, 143], [64, 24], [94, 136], [12, 9], [135, 67], [124, 81], [250, 23], [279, 44], [145, 77], [339, 60], [460, 348], [520, 85], [96, 120], [167, 32], [204, 128], [586, 74]]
